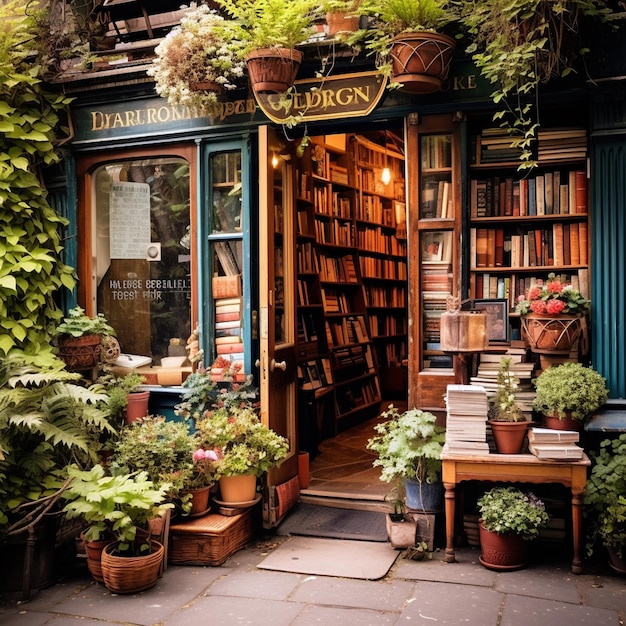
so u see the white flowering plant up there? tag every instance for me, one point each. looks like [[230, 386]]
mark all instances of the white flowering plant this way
[[197, 60]]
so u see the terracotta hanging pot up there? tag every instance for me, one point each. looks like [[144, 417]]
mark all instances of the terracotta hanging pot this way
[[509, 436], [545, 333], [421, 60], [554, 422], [273, 70], [501, 552], [238, 489]]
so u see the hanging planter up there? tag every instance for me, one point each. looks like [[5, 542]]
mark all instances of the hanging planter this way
[[420, 61], [273, 70]]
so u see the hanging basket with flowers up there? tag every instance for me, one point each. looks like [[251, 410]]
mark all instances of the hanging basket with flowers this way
[[198, 60], [552, 316]]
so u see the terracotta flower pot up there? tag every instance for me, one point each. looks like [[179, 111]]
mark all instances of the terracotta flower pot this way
[[273, 70], [238, 488], [199, 501], [137, 406], [509, 436], [93, 550], [420, 61], [80, 353], [501, 552], [561, 423]]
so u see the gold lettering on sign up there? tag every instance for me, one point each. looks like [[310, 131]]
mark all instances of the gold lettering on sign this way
[[101, 120]]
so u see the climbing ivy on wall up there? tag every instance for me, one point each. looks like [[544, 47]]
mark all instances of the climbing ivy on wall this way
[[31, 267]]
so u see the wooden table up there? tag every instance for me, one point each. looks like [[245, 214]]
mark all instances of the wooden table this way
[[522, 468]]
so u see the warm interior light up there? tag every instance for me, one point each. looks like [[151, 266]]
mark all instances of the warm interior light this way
[[274, 160], [386, 175]]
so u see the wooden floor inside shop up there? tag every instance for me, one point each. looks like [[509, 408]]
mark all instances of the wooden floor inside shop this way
[[342, 474]]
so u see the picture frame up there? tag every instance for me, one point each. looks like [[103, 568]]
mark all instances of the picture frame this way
[[497, 311], [436, 246]]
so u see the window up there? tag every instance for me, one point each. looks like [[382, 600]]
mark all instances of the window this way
[[142, 256]]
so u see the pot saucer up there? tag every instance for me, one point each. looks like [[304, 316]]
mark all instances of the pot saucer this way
[[238, 505]]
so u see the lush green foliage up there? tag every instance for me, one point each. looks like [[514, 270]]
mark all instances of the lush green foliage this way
[[31, 267], [504, 405], [242, 443], [605, 497], [408, 445], [77, 324], [270, 23], [115, 506], [161, 448], [509, 510], [47, 421], [519, 44], [570, 387]]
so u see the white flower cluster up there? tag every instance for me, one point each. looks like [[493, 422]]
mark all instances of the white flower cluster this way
[[197, 60]]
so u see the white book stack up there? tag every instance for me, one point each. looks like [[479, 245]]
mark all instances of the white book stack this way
[[546, 443], [466, 425], [487, 377]]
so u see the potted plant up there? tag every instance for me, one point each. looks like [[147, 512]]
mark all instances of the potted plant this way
[[197, 60], [47, 421], [519, 45], [506, 418], [405, 35], [509, 519], [409, 447], [270, 30], [553, 314], [243, 446], [79, 336], [163, 449], [341, 16], [568, 394], [120, 507], [605, 502]]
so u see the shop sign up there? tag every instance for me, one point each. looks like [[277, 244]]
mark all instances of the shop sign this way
[[313, 99]]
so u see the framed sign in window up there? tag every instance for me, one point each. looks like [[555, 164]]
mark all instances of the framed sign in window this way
[[497, 311]]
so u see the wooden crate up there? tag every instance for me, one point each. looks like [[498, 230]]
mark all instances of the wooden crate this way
[[209, 540]]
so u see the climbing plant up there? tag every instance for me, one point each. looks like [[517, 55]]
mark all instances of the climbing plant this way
[[31, 266]]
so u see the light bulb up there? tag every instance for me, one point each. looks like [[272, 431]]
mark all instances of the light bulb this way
[[386, 175], [274, 160]]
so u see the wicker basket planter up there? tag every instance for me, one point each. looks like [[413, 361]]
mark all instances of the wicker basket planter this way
[[209, 540], [130, 574], [80, 353]]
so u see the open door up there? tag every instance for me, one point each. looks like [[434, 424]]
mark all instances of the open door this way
[[278, 371]]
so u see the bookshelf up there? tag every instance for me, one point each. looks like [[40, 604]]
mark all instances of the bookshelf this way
[[438, 206], [337, 359], [380, 222], [523, 226]]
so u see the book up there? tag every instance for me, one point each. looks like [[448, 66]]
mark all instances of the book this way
[[549, 435], [229, 348], [227, 317], [570, 452], [581, 191]]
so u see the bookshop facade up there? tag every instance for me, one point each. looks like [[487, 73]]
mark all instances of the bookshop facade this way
[[322, 266]]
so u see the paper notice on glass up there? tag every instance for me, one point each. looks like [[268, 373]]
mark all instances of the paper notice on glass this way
[[129, 220]]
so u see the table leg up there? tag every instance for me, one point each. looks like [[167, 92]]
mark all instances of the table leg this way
[[577, 529], [450, 515]]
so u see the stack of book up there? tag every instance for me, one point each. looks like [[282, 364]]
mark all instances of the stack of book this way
[[546, 443], [466, 425], [487, 376], [228, 331]]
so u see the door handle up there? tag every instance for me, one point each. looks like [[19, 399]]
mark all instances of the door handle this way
[[281, 366]]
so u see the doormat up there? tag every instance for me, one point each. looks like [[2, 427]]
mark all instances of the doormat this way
[[311, 520], [331, 557]]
